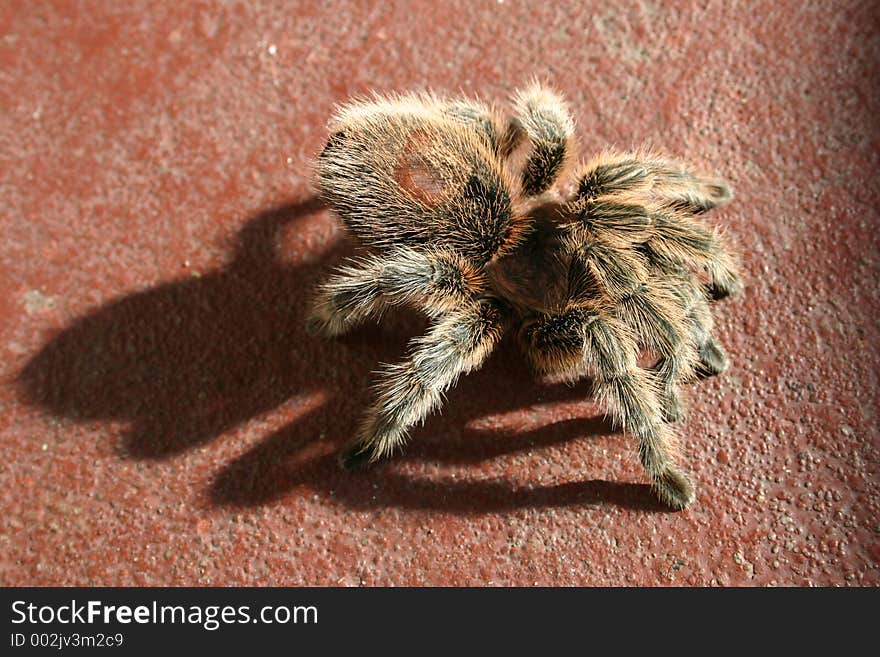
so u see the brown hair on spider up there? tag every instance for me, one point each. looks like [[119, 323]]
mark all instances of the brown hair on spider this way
[[486, 223]]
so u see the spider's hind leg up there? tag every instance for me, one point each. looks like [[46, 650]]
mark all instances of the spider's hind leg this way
[[543, 117], [614, 173], [410, 390], [672, 198], [436, 280]]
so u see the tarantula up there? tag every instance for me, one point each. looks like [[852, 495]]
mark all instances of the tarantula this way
[[467, 216]]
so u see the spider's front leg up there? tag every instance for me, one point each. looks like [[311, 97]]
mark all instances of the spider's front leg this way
[[642, 173], [627, 391], [409, 391], [712, 359], [659, 325], [435, 280], [671, 197], [653, 313]]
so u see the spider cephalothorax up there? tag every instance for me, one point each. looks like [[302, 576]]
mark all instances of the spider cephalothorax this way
[[465, 216]]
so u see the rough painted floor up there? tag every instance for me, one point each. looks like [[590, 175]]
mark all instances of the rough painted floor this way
[[165, 419]]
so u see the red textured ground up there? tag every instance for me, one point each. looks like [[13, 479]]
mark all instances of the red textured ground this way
[[165, 420]]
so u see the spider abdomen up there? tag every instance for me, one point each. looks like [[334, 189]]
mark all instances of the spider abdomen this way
[[420, 177]]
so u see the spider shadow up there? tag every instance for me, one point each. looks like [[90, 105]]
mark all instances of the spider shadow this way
[[292, 459], [188, 360], [300, 456], [185, 361]]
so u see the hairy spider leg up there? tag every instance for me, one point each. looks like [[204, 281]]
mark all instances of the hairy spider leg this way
[[435, 281], [542, 116], [600, 240], [628, 393], [409, 391], [672, 197]]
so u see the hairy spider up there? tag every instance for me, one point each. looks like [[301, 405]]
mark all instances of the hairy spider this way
[[463, 216]]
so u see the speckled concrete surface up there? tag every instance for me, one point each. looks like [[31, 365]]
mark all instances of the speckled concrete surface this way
[[165, 420]]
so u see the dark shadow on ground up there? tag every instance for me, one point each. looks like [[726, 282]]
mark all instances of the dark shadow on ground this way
[[284, 462], [186, 361]]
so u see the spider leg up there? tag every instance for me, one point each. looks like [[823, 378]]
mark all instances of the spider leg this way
[[681, 240], [603, 265], [659, 325], [614, 173], [600, 268], [699, 354], [584, 337], [630, 395], [711, 357], [669, 197], [541, 114], [408, 391], [554, 344], [434, 280]]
